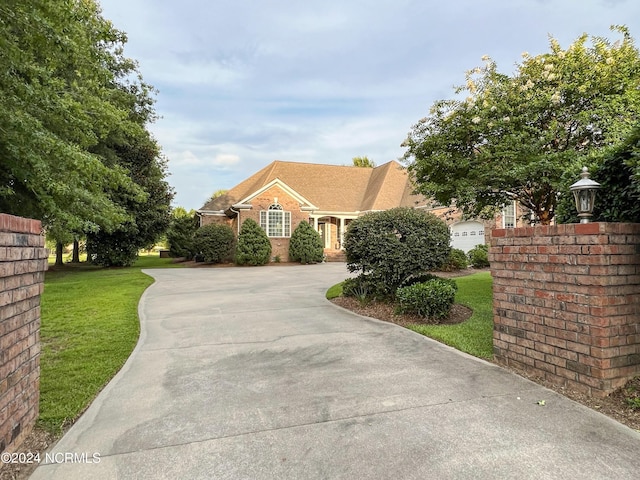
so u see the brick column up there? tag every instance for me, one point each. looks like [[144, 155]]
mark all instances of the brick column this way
[[23, 261], [566, 303]]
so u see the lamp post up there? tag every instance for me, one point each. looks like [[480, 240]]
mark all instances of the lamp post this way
[[584, 192]]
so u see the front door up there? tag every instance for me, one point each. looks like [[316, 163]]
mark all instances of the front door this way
[[325, 233]]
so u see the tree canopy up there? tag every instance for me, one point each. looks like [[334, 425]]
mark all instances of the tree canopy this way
[[363, 162], [525, 136], [70, 104]]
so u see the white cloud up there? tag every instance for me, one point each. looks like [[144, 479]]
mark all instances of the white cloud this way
[[226, 159]]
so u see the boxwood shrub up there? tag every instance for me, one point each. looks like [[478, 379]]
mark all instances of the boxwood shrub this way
[[214, 243], [431, 299]]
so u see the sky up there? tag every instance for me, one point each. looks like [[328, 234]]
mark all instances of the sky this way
[[242, 83]]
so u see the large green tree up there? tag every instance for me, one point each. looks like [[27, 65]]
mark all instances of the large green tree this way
[[56, 87], [149, 218], [524, 136]]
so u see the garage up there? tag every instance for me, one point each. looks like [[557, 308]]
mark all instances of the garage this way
[[466, 235]]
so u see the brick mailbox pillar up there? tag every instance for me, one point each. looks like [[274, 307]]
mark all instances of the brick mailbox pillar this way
[[566, 303], [23, 261]]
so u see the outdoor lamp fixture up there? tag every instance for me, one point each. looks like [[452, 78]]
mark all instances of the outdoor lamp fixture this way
[[584, 191]]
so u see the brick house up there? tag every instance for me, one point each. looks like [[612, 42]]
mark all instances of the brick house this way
[[282, 194]]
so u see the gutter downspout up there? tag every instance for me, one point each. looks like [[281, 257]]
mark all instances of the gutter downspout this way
[[237, 212]]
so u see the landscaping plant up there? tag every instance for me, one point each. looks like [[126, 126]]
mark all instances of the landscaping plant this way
[[391, 246], [432, 299], [306, 244], [214, 243], [182, 229], [457, 260], [254, 247], [479, 256]]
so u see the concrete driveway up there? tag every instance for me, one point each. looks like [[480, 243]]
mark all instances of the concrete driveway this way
[[249, 373]]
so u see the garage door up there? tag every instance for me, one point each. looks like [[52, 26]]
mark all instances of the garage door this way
[[466, 235]]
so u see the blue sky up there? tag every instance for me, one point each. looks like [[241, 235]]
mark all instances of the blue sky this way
[[242, 83]]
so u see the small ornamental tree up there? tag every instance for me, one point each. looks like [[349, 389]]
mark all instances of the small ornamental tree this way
[[394, 245], [214, 243], [254, 247], [306, 244]]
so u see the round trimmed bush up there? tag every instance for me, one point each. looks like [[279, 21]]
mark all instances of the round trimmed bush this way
[[393, 245], [457, 260], [254, 247], [432, 299], [306, 244], [479, 256], [214, 243]]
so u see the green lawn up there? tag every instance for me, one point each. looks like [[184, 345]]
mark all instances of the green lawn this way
[[475, 336], [89, 328]]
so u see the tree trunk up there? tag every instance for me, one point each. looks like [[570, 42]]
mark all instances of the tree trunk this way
[[75, 258], [59, 247]]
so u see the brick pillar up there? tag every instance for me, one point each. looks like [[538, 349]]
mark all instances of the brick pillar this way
[[566, 303], [23, 261]]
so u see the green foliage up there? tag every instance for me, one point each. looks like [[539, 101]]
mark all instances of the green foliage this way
[[364, 288], [113, 249], [618, 172], [306, 245], [432, 299], [150, 217], [457, 260], [419, 278], [214, 243], [64, 88], [363, 162], [254, 247], [479, 256], [391, 246], [516, 137], [474, 336], [182, 229]]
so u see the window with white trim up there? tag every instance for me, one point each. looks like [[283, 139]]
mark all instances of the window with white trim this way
[[275, 221], [509, 215]]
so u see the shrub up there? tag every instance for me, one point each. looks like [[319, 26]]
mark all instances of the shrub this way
[[479, 256], [214, 243], [180, 236], [432, 299], [306, 244], [113, 249], [395, 244], [457, 260], [362, 287], [419, 278], [254, 247]]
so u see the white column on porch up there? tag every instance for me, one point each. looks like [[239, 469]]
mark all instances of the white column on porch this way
[[341, 233]]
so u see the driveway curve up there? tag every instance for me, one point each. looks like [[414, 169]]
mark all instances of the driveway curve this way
[[249, 373]]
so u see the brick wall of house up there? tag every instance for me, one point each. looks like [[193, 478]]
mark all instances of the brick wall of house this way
[[279, 245], [566, 302], [23, 261]]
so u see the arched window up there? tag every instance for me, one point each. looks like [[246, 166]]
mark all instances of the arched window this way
[[275, 221]]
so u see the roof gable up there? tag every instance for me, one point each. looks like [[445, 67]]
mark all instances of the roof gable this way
[[304, 203], [327, 188]]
